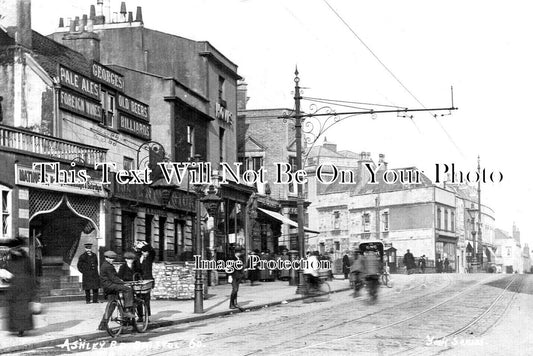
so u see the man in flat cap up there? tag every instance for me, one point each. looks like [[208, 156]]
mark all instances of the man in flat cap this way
[[88, 266], [236, 276], [112, 284]]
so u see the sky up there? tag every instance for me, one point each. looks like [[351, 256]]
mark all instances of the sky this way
[[387, 52]]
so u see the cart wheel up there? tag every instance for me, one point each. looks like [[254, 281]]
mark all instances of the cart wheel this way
[[113, 317], [140, 324]]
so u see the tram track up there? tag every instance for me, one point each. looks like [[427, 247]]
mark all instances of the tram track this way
[[377, 329]]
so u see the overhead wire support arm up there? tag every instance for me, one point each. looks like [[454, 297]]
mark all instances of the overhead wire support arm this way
[[398, 111]]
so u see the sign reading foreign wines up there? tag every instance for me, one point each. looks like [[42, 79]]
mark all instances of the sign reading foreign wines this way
[[134, 126], [133, 107], [79, 83], [80, 105]]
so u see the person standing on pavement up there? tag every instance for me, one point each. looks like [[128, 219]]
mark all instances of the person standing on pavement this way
[[346, 265], [147, 260], [235, 277], [409, 262], [446, 265], [88, 267], [422, 264], [356, 271], [22, 288]]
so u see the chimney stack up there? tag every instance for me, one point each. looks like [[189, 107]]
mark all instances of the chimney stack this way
[[83, 23], [16, 19], [92, 12], [139, 15], [72, 27], [242, 91], [123, 12], [61, 22]]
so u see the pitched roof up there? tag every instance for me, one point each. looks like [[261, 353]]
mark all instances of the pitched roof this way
[[48, 53], [381, 186]]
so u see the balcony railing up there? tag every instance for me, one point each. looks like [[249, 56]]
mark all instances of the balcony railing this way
[[29, 141]]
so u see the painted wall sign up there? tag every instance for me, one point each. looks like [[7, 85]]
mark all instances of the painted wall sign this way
[[79, 83], [29, 177], [78, 104], [133, 107], [223, 114], [108, 76], [134, 126], [180, 200]]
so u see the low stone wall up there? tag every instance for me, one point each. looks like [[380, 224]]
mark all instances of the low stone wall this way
[[174, 280]]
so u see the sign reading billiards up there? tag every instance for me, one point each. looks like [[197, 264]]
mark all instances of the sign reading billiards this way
[[134, 126]]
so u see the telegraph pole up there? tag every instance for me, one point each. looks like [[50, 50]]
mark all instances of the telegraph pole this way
[[300, 200]]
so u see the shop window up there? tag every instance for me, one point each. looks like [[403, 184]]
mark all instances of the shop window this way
[[148, 228], [162, 237], [190, 140], [6, 212], [109, 112], [366, 222], [128, 230], [179, 236]]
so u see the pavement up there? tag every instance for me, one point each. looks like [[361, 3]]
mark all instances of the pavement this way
[[77, 320]]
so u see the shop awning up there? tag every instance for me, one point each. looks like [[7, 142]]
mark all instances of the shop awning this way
[[285, 220]]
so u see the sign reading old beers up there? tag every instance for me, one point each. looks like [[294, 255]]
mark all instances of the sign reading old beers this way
[[133, 107], [108, 76], [80, 105], [134, 126], [79, 83]]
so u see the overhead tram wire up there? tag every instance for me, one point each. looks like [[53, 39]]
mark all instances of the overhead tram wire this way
[[395, 78]]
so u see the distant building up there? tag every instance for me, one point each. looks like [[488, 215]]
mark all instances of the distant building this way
[[509, 251]]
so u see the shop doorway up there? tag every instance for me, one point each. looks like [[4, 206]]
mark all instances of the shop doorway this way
[[59, 232]]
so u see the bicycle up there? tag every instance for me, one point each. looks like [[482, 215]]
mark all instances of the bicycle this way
[[385, 277], [114, 311], [320, 289]]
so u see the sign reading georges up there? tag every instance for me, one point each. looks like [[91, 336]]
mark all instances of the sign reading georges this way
[[108, 76], [133, 126], [80, 105], [133, 107], [79, 83]]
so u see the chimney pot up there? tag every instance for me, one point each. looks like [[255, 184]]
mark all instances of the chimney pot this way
[[139, 15], [83, 23], [92, 12], [72, 26], [130, 16], [123, 7], [61, 22]]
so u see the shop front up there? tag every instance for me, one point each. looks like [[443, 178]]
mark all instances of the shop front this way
[[445, 250]]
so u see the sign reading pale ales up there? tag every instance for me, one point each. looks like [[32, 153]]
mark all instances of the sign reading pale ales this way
[[108, 76], [80, 105], [79, 83], [133, 107], [134, 126]]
